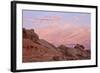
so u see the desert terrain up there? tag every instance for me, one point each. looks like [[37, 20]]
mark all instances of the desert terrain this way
[[40, 50]]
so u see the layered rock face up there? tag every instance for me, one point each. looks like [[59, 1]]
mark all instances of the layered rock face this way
[[40, 50], [36, 50]]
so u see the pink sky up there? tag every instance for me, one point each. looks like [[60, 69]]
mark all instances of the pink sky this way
[[65, 34], [60, 27]]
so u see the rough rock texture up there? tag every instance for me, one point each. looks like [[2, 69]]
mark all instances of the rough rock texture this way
[[35, 49], [30, 34], [76, 53], [39, 50], [79, 46]]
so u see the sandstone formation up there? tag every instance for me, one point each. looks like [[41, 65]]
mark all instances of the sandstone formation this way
[[40, 50]]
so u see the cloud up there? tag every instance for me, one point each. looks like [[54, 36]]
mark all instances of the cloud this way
[[65, 34], [57, 31]]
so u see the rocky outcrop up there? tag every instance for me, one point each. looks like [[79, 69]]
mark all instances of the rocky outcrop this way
[[30, 34], [36, 50], [79, 46], [39, 50], [76, 53]]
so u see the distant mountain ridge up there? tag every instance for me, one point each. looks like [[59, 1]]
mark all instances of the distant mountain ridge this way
[[40, 50]]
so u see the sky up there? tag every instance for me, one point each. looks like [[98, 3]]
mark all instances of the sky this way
[[60, 28]]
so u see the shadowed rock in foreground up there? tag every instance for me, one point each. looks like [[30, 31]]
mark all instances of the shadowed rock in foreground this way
[[39, 50]]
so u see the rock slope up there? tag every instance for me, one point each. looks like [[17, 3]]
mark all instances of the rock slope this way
[[40, 50]]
